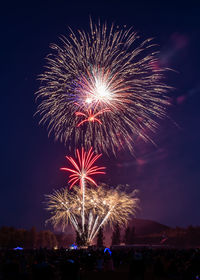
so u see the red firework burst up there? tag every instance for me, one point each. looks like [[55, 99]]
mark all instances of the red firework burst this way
[[90, 116], [83, 167]]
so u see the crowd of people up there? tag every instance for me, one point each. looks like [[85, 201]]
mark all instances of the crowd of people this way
[[62, 264]]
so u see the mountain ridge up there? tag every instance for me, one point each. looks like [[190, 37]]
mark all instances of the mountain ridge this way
[[143, 227]]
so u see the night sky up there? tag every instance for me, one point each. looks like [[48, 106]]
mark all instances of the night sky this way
[[167, 175]]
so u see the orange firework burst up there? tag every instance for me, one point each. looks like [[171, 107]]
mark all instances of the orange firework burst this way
[[83, 168], [103, 205]]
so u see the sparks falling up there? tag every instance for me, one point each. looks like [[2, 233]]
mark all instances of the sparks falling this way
[[103, 206], [110, 74]]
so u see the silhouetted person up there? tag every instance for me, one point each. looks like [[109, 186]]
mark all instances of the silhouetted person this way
[[69, 269], [42, 269]]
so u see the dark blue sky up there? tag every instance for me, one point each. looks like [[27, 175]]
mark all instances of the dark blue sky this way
[[168, 175]]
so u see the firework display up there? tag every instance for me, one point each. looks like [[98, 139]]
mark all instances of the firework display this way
[[103, 206], [102, 89], [83, 170]]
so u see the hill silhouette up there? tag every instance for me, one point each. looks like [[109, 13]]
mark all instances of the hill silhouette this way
[[147, 227], [142, 227]]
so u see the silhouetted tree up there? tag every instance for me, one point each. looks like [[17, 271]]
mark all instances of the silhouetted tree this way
[[78, 239], [116, 235], [4, 237], [41, 239], [64, 239], [192, 236], [11, 238], [81, 240], [33, 237], [132, 235], [26, 239], [54, 241], [47, 237], [100, 238], [129, 235]]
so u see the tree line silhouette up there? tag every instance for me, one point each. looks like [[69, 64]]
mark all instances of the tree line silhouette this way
[[177, 237]]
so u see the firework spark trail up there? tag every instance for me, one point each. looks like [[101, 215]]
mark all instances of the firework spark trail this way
[[95, 231], [90, 116], [84, 168], [83, 204], [102, 206], [90, 221], [66, 210], [106, 68], [93, 228]]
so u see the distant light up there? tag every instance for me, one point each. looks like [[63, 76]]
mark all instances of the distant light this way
[[18, 248], [71, 261], [107, 249], [73, 247]]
